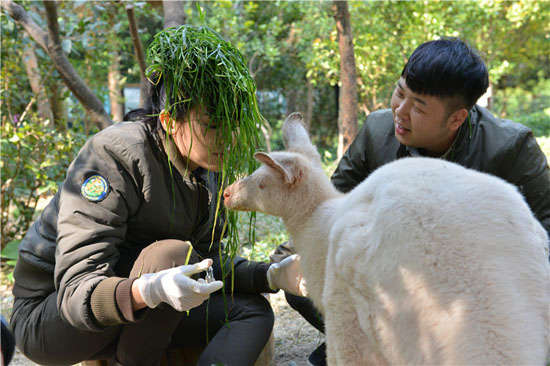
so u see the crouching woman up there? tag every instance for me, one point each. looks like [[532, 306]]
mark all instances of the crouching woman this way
[[118, 256]]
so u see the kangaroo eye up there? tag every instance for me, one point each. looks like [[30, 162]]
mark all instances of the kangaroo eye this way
[[261, 185]]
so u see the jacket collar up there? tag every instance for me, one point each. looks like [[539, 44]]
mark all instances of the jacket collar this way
[[465, 135]]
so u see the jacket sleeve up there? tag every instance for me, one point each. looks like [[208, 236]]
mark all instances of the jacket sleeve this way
[[353, 167], [532, 177], [250, 276], [90, 232], [244, 275]]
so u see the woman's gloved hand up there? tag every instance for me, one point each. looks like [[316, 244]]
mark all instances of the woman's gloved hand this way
[[287, 276], [175, 287]]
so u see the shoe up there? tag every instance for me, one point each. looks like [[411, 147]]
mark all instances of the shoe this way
[[319, 356]]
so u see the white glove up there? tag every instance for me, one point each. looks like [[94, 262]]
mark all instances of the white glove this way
[[174, 287], [287, 276]]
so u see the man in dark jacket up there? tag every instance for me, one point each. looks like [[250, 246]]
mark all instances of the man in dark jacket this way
[[433, 113]]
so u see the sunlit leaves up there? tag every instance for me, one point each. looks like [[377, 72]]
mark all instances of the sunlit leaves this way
[[31, 168]]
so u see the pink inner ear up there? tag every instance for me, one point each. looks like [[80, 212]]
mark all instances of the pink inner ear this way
[[263, 157], [267, 160]]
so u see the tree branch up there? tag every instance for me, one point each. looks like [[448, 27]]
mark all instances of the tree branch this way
[[17, 13], [51, 43], [140, 56], [174, 13], [51, 17]]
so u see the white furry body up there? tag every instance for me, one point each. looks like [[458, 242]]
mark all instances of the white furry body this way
[[424, 263], [429, 263]]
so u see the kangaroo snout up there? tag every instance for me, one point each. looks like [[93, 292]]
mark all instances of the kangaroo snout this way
[[234, 196], [227, 194]]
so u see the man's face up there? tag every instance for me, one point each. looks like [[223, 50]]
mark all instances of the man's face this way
[[422, 121]]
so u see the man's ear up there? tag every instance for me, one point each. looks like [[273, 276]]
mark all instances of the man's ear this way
[[290, 177], [457, 118], [168, 124]]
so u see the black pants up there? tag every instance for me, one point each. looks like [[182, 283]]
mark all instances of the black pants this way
[[238, 327], [7, 342]]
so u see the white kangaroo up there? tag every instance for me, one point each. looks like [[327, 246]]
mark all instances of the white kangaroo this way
[[425, 262]]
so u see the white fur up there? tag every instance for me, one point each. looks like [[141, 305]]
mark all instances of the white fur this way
[[424, 263]]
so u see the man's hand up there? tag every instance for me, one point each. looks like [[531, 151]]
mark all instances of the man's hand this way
[[287, 276], [175, 287]]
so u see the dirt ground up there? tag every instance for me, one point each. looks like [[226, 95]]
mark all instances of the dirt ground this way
[[294, 338]]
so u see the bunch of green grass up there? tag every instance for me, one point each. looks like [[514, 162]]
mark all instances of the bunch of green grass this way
[[198, 67]]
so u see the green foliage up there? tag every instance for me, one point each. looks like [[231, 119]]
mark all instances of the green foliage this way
[[15, 88], [538, 122], [288, 43], [544, 143], [34, 161], [528, 98], [275, 37], [10, 252], [270, 232], [9, 257], [93, 34], [528, 104]]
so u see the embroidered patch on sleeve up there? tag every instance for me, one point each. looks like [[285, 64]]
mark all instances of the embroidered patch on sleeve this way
[[95, 188]]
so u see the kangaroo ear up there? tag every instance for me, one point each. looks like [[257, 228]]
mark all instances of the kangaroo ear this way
[[294, 132], [296, 138], [289, 176]]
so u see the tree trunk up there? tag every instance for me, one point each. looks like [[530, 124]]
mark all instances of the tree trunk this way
[[33, 73], [51, 43], [116, 95], [57, 104], [144, 97], [309, 104], [174, 13], [347, 103], [486, 100], [336, 97]]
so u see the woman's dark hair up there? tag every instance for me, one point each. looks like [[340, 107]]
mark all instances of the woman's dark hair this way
[[447, 68], [155, 103]]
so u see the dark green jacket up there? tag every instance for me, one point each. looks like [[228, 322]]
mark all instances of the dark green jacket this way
[[76, 244], [500, 147]]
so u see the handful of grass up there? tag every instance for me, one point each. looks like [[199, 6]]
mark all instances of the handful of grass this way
[[197, 66]]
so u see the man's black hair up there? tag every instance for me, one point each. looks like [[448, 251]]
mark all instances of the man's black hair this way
[[447, 68]]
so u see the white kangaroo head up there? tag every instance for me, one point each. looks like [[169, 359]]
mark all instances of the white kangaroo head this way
[[283, 182]]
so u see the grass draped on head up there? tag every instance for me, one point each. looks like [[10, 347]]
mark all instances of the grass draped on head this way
[[196, 66]]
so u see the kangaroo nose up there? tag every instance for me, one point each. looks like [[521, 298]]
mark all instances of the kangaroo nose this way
[[226, 193]]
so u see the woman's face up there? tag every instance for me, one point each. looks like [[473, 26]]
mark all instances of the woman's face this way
[[198, 141]]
